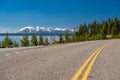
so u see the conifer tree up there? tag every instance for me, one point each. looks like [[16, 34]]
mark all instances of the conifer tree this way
[[15, 44], [7, 42], [34, 41], [41, 42], [0, 44], [109, 26], [60, 39], [25, 41], [113, 30], [46, 41], [66, 36], [74, 38], [104, 31]]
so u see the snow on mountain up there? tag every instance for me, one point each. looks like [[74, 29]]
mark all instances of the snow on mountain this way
[[64, 29], [27, 28], [38, 29]]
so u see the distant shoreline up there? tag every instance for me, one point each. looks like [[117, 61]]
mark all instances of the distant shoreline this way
[[37, 34]]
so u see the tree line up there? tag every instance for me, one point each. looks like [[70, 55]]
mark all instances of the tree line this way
[[93, 31], [25, 41], [107, 29], [98, 31], [34, 41]]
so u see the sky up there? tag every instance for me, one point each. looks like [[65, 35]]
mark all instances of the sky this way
[[15, 14]]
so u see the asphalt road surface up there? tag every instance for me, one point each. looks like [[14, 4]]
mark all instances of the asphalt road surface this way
[[62, 62]]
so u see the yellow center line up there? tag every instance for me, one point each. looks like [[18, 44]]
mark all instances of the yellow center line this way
[[92, 58], [83, 66]]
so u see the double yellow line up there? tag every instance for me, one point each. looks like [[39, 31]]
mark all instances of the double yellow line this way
[[90, 61]]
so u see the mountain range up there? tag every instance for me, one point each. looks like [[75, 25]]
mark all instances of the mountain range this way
[[43, 30]]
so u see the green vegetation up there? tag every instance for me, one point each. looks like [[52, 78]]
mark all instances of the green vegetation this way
[[7, 42], [25, 41], [15, 44], [34, 41], [46, 41], [0, 44], [98, 31], [61, 39], [40, 42], [67, 37], [108, 29]]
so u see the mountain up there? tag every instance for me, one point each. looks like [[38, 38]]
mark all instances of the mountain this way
[[44, 30]]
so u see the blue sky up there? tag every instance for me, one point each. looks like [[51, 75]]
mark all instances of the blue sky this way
[[15, 14]]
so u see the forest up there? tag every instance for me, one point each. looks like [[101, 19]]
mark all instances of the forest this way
[[99, 31]]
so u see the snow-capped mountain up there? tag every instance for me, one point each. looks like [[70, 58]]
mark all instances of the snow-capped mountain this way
[[43, 30]]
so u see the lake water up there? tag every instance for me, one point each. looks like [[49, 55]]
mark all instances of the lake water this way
[[18, 38]]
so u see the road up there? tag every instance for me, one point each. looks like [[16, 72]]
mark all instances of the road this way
[[62, 62]]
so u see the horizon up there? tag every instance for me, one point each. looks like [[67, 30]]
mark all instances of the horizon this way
[[17, 14]]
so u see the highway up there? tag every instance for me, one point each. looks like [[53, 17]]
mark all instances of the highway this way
[[90, 60]]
